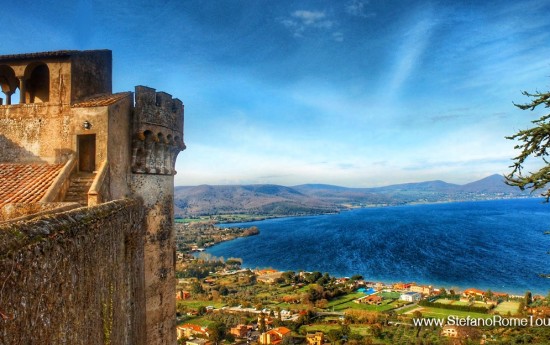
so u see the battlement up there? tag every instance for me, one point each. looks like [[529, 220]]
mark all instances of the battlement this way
[[158, 128], [158, 109]]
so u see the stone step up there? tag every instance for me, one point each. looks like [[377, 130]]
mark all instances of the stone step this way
[[78, 188]]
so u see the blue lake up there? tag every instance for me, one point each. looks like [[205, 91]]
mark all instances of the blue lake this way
[[496, 244]]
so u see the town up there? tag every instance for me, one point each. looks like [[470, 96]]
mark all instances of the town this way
[[219, 301]]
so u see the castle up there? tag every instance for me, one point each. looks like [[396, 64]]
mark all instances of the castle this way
[[87, 247]]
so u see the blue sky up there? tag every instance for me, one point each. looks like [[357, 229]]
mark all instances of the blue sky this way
[[354, 93]]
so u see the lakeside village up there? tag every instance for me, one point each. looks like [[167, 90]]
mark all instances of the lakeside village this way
[[218, 302]]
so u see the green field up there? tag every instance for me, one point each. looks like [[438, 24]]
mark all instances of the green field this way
[[386, 305], [197, 321], [344, 299], [358, 329], [440, 313], [197, 304], [389, 295], [505, 307], [407, 309], [444, 301]]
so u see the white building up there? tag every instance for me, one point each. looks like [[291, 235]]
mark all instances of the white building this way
[[410, 296]]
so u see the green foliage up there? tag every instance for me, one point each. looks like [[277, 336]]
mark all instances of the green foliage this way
[[528, 298], [217, 332], [533, 143]]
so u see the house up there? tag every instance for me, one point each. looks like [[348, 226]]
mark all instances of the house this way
[[537, 312], [473, 293], [240, 331], [183, 295], [401, 286], [410, 296], [189, 330], [343, 280], [315, 339], [274, 336], [449, 331], [267, 319], [285, 313], [269, 278], [423, 289], [371, 299]]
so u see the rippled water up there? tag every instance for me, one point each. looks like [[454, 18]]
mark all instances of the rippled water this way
[[487, 244]]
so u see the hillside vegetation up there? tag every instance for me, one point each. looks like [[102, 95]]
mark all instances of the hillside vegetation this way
[[275, 200]]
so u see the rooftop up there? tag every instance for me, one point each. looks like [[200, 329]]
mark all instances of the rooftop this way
[[101, 100], [25, 183], [48, 54]]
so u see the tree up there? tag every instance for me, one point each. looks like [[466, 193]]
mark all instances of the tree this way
[[345, 329], [261, 324], [289, 277], [216, 331], [334, 335], [533, 143], [489, 294], [528, 298], [196, 288]]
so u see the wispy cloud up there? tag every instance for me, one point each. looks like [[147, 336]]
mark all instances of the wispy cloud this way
[[301, 21], [338, 36], [409, 54], [359, 8]]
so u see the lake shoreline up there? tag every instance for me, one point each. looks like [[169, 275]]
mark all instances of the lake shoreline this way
[[383, 275]]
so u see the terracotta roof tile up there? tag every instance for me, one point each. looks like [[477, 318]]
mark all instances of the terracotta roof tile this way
[[25, 183], [101, 100]]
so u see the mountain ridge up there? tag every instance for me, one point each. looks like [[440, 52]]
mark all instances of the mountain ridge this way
[[315, 198]]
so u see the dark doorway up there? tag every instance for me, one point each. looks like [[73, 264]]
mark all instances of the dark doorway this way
[[86, 152]]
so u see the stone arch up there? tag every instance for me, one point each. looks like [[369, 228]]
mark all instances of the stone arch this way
[[8, 82], [37, 83]]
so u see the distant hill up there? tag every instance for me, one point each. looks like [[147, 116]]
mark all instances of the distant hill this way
[[250, 199], [269, 199]]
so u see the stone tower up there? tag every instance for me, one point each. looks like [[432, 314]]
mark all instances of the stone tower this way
[[157, 140]]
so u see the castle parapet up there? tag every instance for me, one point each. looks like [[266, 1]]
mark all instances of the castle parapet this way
[[158, 132]]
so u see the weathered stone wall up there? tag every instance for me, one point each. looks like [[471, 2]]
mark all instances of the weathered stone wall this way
[[119, 146], [160, 284], [91, 73], [74, 277], [34, 132], [16, 211]]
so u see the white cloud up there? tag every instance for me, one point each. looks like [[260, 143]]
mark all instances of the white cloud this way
[[309, 17], [338, 36], [301, 21], [358, 8], [409, 54]]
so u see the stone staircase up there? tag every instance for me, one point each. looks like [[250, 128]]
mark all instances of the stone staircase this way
[[78, 188]]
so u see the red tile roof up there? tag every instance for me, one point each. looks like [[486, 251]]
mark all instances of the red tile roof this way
[[280, 331], [101, 100], [473, 291], [25, 183]]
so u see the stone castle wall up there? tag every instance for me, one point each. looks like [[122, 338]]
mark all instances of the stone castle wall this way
[[74, 277]]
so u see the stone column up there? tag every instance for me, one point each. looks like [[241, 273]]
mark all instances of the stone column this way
[[22, 90]]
